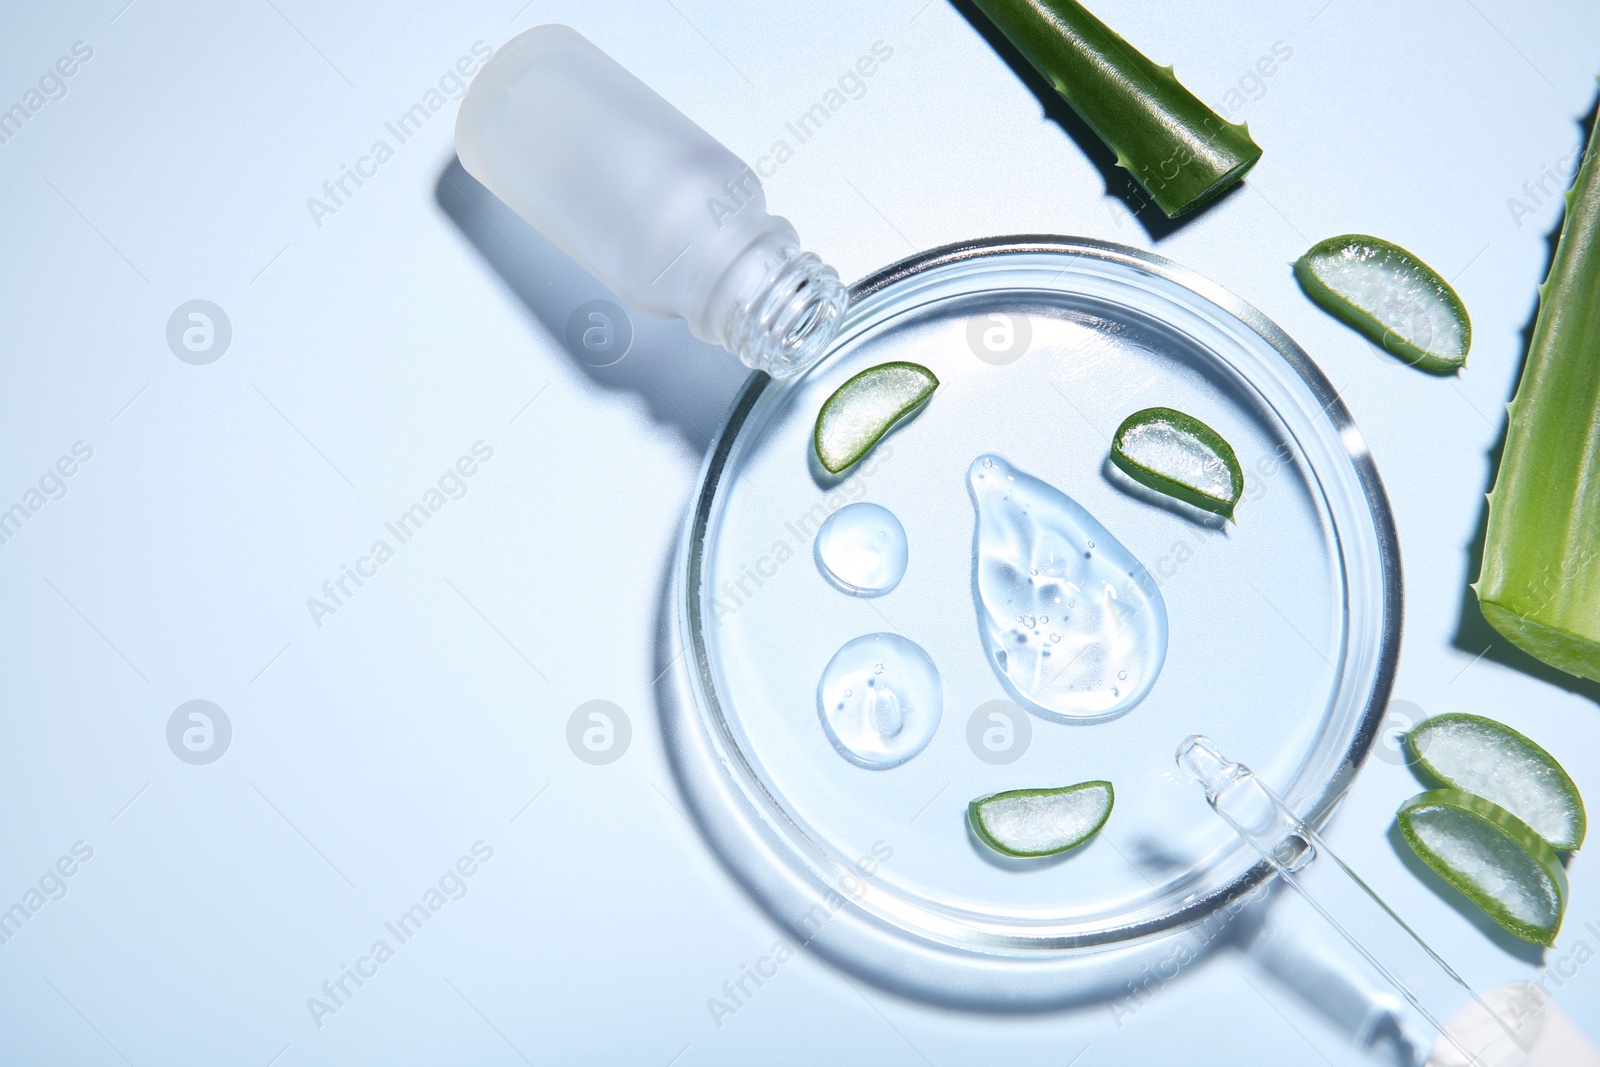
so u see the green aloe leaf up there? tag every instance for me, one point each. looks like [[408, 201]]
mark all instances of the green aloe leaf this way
[[1391, 296], [1540, 584], [862, 409], [1180, 456], [1181, 151], [1041, 822], [1493, 761], [1492, 857]]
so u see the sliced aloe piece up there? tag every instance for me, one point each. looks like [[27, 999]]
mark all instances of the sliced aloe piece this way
[[1390, 295], [1180, 456], [1041, 822], [1493, 761], [1492, 856], [862, 409]]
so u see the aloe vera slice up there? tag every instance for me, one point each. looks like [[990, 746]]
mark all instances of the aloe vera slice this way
[[1492, 856], [1180, 456], [1041, 822], [862, 409], [1540, 584], [1493, 761], [1391, 296], [1181, 151]]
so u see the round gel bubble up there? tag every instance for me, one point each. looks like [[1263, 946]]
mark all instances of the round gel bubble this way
[[862, 550], [880, 700]]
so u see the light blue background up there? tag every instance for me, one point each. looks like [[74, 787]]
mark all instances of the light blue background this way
[[372, 351]]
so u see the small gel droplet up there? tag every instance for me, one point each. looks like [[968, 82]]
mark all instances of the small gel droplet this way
[[899, 709], [862, 549]]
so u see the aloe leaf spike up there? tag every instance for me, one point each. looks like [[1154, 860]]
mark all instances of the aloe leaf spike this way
[[1182, 152], [1540, 582]]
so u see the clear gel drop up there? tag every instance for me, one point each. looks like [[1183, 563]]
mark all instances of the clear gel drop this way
[[880, 700], [862, 549], [1072, 623]]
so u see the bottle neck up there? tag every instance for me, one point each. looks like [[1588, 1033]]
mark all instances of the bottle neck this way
[[776, 308]]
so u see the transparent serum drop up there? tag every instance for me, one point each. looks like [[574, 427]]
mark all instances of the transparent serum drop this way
[[1072, 623], [880, 700], [862, 549]]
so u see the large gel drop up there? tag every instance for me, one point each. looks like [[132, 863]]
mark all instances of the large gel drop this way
[[861, 548], [880, 700], [1072, 623]]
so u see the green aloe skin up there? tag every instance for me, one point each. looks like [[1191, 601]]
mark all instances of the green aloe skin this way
[[1097, 799], [1409, 333], [1181, 151], [1540, 582], [1202, 489], [1527, 865]]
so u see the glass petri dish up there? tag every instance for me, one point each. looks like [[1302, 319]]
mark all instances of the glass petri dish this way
[[1283, 626]]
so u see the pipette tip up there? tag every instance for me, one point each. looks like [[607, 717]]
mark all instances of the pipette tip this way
[[1199, 759]]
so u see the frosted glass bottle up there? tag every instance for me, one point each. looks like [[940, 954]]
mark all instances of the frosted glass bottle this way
[[648, 202]]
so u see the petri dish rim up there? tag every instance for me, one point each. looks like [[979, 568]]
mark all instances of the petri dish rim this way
[[784, 842]]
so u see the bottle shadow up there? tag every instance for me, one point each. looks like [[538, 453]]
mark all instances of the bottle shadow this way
[[684, 383], [1473, 632], [1119, 182]]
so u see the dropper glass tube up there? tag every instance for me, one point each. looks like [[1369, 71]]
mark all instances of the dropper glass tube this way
[[1510, 1026]]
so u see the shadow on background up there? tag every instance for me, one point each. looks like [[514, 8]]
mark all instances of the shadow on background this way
[[1473, 632], [684, 383], [1119, 183], [1300, 967], [677, 716]]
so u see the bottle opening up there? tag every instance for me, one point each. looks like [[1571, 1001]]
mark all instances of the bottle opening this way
[[789, 326]]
